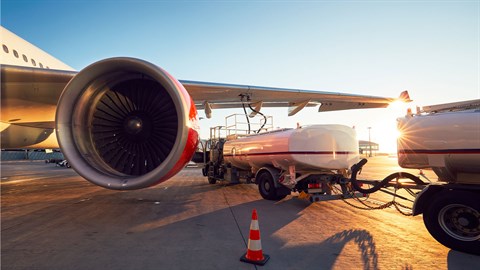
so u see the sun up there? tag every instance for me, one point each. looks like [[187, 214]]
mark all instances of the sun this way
[[384, 130], [398, 107]]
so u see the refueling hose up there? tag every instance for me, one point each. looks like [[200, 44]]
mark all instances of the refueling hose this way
[[264, 117], [357, 167], [246, 115]]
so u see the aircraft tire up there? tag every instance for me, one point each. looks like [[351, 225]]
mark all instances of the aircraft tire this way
[[453, 219]]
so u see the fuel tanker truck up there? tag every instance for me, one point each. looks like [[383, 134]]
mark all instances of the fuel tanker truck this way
[[446, 138], [288, 159], [321, 162]]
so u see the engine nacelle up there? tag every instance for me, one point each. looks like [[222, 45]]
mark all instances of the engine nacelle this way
[[124, 123]]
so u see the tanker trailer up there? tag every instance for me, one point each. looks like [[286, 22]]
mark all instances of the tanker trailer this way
[[446, 138], [306, 159]]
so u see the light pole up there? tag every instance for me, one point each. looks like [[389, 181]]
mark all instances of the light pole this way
[[369, 141]]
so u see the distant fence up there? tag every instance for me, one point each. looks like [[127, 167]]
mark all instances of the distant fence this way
[[29, 155]]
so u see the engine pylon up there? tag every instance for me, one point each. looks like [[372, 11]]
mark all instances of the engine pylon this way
[[254, 254]]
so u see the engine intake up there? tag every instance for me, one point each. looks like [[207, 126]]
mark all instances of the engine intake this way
[[124, 123]]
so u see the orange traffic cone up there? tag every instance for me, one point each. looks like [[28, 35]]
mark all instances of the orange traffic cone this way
[[254, 253]]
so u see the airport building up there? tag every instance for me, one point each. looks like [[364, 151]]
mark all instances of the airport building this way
[[24, 154], [368, 147]]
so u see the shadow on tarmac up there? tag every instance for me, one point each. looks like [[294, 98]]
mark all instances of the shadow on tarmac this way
[[122, 231], [168, 228], [460, 260]]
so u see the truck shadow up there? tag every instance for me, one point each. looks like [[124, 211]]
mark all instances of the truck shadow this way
[[460, 260], [325, 254], [363, 239], [215, 234]]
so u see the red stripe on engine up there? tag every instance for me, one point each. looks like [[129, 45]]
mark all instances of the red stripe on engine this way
[[188, 151]]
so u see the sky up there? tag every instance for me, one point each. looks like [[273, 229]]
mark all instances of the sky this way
[[380, 48]]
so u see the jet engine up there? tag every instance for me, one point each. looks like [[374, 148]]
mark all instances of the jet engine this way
[[124, 123]]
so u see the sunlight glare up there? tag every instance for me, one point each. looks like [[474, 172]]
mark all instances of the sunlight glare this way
[[398, 107]]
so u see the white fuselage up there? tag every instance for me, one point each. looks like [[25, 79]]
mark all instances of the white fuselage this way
[[37, 104], [18, 52], [312, 148]]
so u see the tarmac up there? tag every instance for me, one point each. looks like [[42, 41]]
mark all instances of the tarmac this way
[[51, 218]]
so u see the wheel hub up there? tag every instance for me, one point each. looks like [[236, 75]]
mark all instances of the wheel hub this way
[[267, 186], [460, 222]]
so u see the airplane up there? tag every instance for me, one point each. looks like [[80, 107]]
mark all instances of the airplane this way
[[125, 123]]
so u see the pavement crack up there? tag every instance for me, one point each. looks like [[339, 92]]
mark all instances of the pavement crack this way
[[234, 218]]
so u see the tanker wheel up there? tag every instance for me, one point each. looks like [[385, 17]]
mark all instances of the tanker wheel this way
[[267, 188], [453, 219], [212, 180], [205, 170]]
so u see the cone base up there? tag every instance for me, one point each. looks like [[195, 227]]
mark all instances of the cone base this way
[[260, 262]]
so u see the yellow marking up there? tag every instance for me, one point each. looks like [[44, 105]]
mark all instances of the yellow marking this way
[[303, 195]]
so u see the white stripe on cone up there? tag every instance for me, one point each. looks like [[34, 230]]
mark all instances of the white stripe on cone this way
[[254, 225], [254, 245]]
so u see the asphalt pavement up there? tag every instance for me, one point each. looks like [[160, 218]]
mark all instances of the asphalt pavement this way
[[51, 218]]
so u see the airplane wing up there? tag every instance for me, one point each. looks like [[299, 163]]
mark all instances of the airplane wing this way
[[29, 99], [33, 93], [218, 95]]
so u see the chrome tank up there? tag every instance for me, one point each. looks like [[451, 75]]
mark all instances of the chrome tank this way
[[447, 142], [317, 147]]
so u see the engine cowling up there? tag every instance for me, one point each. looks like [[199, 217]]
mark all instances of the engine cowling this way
[[124, 123]]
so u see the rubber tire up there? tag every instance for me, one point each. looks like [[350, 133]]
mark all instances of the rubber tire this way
[[432, 222], [212, 180], [266, 187], [205, 170]]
